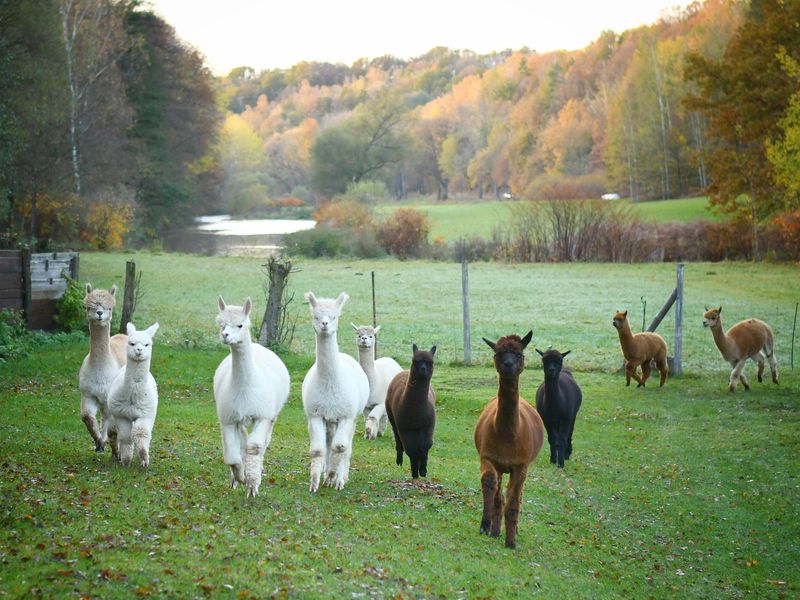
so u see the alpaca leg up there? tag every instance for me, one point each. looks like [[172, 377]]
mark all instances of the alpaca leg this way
[[630, 372], [773, 364], [257, 443], [646, 369], [569, 440], [89, 408], [316, 431], [232, 452], [551, 441], [516, 482], [425, 447], [343, 448], [736, 375], [384, 422], [663, 369], [398, 444], [141, 433], [760, 360], [490, 486], [372, 422], [112, 438], [125, 440]]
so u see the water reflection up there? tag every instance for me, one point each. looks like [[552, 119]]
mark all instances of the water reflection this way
[[219, 235]]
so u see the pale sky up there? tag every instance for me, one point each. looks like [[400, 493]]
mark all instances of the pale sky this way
[[266, 34]]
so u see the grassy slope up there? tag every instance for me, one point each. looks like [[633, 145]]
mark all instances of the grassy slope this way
[[452, 221], [684, 490]]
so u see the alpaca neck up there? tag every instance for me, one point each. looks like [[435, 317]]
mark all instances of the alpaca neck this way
[[366, 358], [242, 365], [99, 343], [625, 336], [327, 354], [507, 404], [721, 339], [136, 371], [551, 390]]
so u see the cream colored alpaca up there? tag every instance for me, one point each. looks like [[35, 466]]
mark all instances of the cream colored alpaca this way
[[750, 338], [380, 373], [640, 349], [106, 357], [133, 398], [251, 386]]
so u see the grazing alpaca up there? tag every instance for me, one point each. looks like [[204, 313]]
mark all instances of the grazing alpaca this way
[[410, 406], [251, 385], [558, 400], [508, 436], [335, 392], [133, 398], [640, 349], [751, 338], [106, 357], [379, 373]]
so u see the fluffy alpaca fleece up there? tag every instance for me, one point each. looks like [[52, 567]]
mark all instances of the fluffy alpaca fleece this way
[[251, 386], [508, 436], [379, 374], [751, 338], [335, 392], [411, 408], [639, 349], [133, 398], [106, 357]]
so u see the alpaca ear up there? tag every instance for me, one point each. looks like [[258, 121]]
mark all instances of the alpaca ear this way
[[88, 288], [343, 297], [221, 303], [719, 310], [433, 350], [310, 298], [527, 339], [377, 329], [130, 329], [414, 348], [563, 354], [113, 290], [625, 313], [540, 352], [491, 345], [248, 306], [151, 331]]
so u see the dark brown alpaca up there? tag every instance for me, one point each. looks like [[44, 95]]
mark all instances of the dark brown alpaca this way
[[410, 406], [508, 436]]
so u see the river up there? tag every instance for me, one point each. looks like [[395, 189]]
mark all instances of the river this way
[[219, 235]]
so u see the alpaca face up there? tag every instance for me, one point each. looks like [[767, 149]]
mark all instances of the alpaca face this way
[[509, 357], [619, 318], [140, 343], [711, 317], [325, 313], [99, 304], [422, 363], [234, 322], [365, 335], [553, 362]]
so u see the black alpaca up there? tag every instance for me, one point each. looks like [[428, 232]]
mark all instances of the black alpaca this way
[[410, 406], [558, 400]]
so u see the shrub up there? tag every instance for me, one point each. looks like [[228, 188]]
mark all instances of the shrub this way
[[70, 314], [786, 227], [347, 214], [14, 335], [404, 234], [367, 192], [557, 186], [320, 242]]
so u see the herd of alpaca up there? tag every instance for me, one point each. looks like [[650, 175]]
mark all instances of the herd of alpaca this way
[[252, 384]]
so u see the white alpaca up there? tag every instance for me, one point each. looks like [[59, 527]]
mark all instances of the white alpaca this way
[[379, 373], [251, 385], [335, 392], [133, 398], [106, 357]]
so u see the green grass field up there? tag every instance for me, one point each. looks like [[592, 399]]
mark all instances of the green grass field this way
[[453, 220], [681, 491]]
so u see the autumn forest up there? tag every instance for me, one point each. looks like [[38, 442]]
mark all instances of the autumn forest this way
[[113, 130]]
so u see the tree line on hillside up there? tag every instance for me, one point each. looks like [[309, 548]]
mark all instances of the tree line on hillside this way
[[109, 118]]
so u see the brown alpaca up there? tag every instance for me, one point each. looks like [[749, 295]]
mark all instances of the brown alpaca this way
[[639, 349], [750, 338], [508, 436]]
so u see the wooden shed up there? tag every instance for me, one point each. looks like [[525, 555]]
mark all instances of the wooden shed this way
[[33, 282]]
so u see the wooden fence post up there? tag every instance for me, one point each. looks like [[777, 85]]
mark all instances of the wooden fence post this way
[[278, 271], [27, 291], [676, 368], [465, 294], [128, 296]]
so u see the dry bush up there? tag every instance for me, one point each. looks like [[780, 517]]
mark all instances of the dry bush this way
[[344, 214], [405, 233], [556, 186]]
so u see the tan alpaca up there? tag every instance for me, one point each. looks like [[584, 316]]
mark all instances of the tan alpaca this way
[[106, 356], [639, 349], [750, 338]]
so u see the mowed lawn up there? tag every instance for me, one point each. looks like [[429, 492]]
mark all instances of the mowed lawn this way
[[451, 221], [681, 491]]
